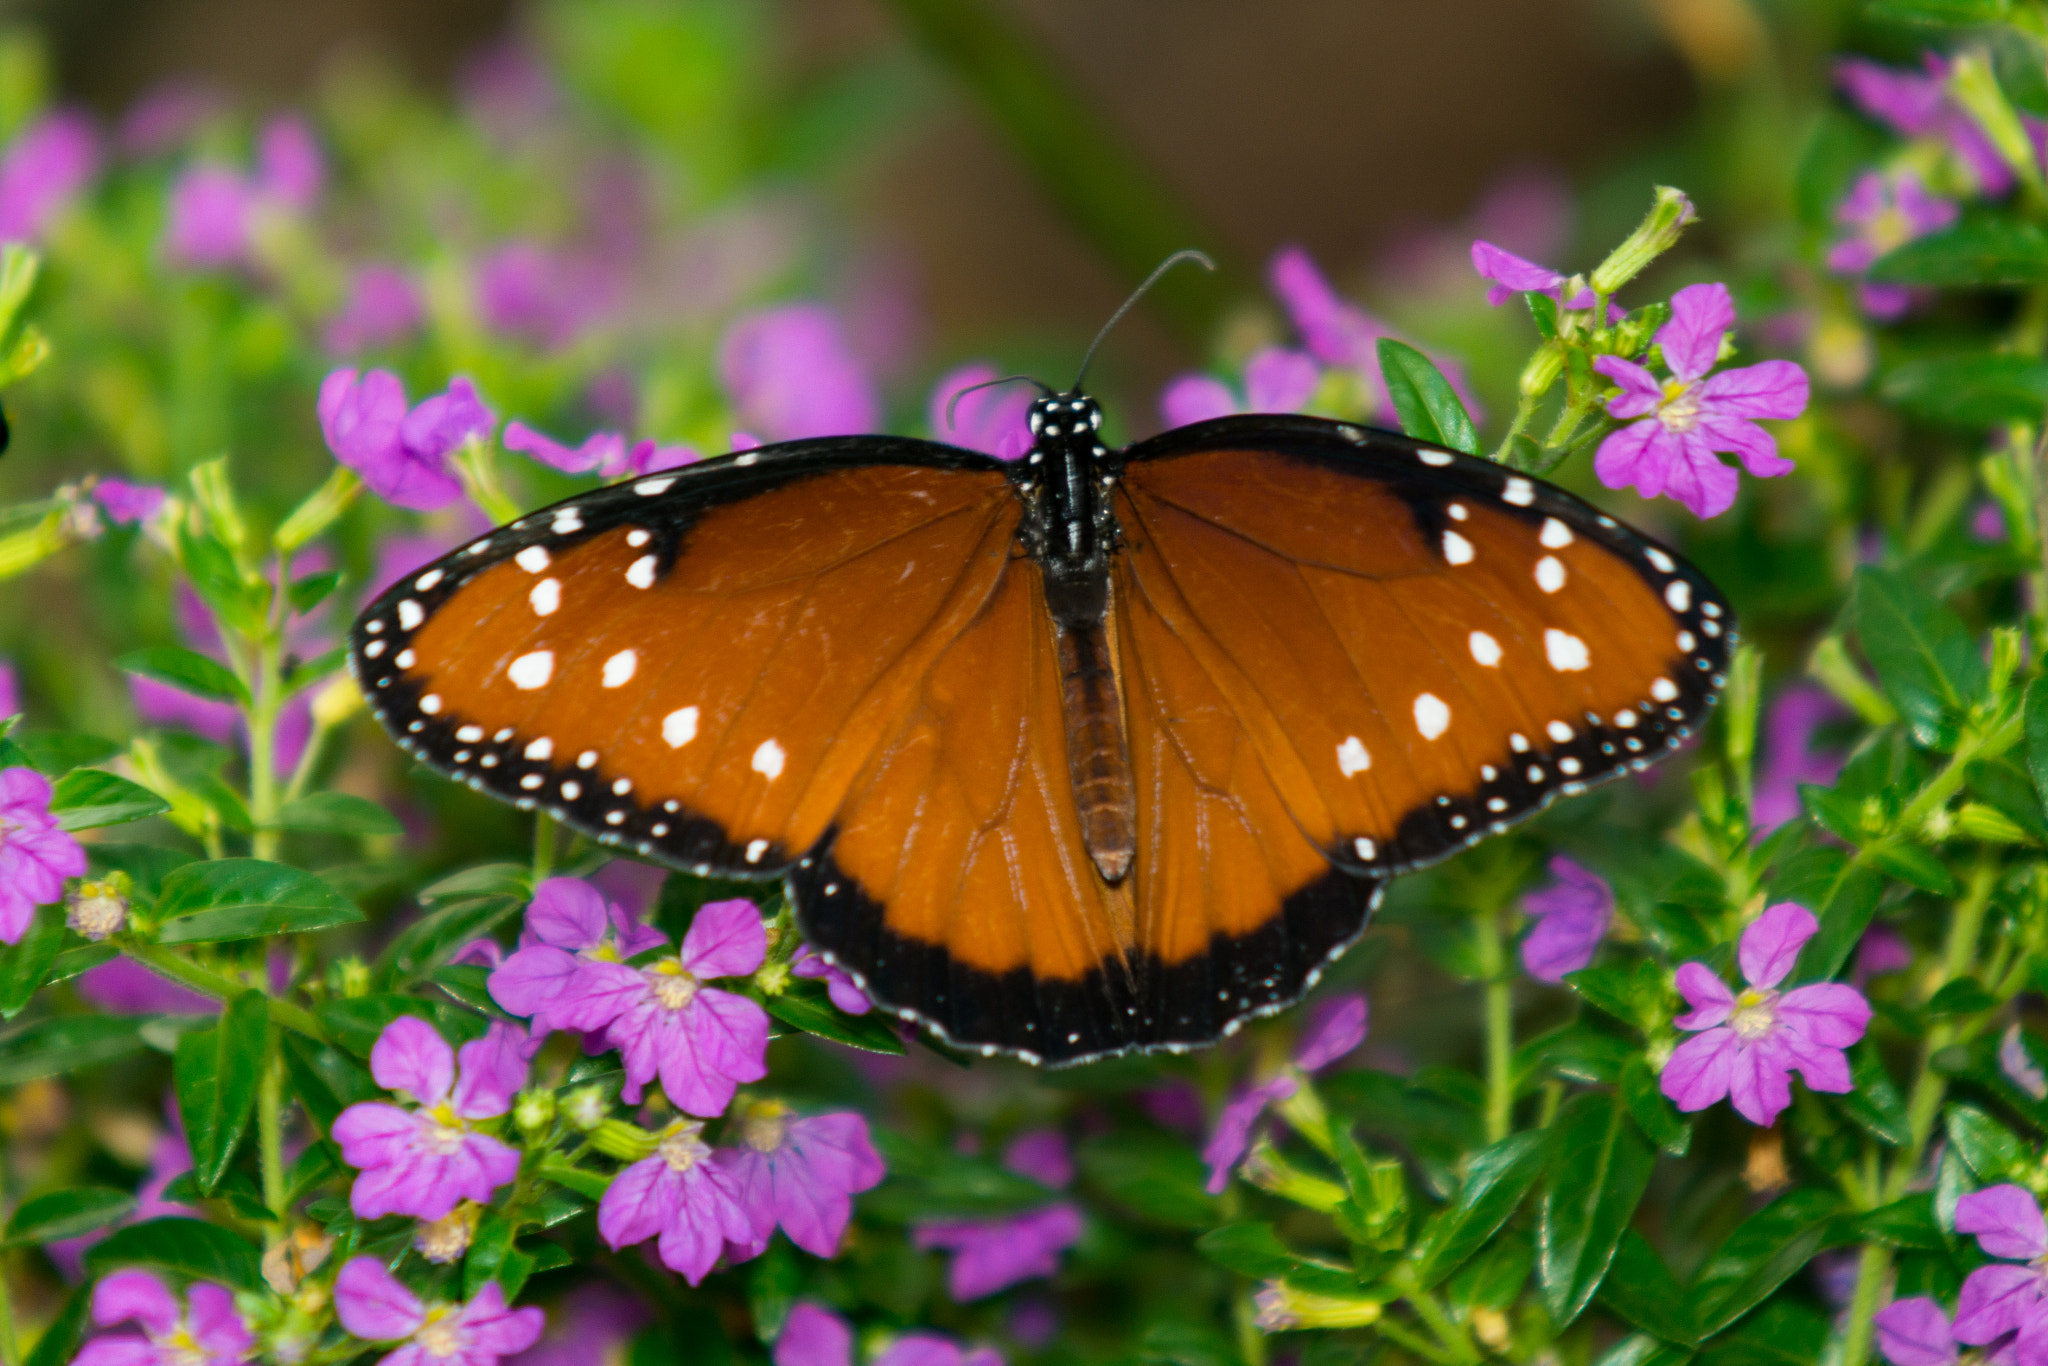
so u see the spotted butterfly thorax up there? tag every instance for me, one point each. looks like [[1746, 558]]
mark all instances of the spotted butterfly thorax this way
[[1094, 751]]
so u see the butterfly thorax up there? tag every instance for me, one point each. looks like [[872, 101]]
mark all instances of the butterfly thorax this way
[[1070, 531]]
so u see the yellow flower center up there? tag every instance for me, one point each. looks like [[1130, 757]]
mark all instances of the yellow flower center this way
[[673, 985], [442, 1133], [681, 1147], [766, 1126], [1679, 410], [1755, 1014], [181, 1349], [440, 1336], [1889, 229]]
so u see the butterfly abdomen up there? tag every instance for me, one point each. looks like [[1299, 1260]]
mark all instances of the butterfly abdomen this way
[[1098, 753]]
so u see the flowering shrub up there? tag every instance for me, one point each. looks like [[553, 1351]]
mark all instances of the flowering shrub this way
[[310, 1057]]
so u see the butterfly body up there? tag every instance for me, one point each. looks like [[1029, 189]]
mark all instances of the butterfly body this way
[[1088, 752]]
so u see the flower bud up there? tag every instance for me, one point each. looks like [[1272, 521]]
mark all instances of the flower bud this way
[[1269, 1171], [534, 1111], [1655, 235], [322, 508], [626, 1142], [447, 1238], [337, 702], [97, 909], [1974, 85], [1542, 371], [585, 1108], [773, 977], [350, 977], [1283, 1306], [1490, 1326]]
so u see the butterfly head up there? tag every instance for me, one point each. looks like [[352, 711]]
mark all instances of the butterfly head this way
[[1065, 422]]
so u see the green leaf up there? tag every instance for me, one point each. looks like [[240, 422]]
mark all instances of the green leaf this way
[[67, 1214], [1782, 1333], [1428, 407], [1926, 659], [210, 565], [56, 752], [1599, 1168], [811, 1012], [354, 1022], [246, 898], [1543, 311], [1760, 1255], [1496, 1179], [927, 1181], [1641, 1289], [1904, 1223], [2037, 737], [60, 1341], [337, 813], [1255, 1250], [84, 958], [427, 943], [469, 983], [312, 590], [1844, 915], [86, 799], [325, 1080], [1875, 1105], [1977, 251], [1990, 1149], [1963, 996], [1186, 1342], [1912, 864], [486, 879], [216, 1071], [1971, 391], [1942, 13], [1653, 1114], [487, 1255], [25, 966], [1640, 1349], [51, 1048], [184, 1247], [1156, 1177], [186, 670]]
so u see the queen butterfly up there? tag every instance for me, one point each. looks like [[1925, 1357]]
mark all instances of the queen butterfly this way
[[1091, 752]]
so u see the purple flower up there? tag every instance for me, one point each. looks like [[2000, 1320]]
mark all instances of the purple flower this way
[[929, 1349], [1512, 275], [383, 309], [402, 456], [1789, 758], [372, 1304], [1339, 1029], [289, 167], [525, 290], [701, 1041], [1752, 1043], [601, 451], [45, 166], [813, 1335], [35, 855], [126, 504], [1341, 333], [838, 985], [1571, 916], [1919, 106], [206, 1332], [1686, 419], [680, 1196], [994, 420], [994, 1254], [165, 116], [800, 1173], [2003, 1298], [2018, 1064], [1914, 1332], [424, 1162], [125, 987], [209, 216], [10, 691], [1276, 380], [1884, 212], [593, 1322], [790, 374]]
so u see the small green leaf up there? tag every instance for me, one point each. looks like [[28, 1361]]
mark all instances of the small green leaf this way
[[60, 1341], [469, 983], [1926, 659], [1971, 391], [355, 1022], [1963, 996], [1641, 1289], [326, 1080], [84, 958], [186, 670], [1913, 864], [68, 1043], [1496, 1179], [1428, 407], [427, 943], [808, 1009], [1875, 1105], [184, 1247], [1940, 13], [216, 1071], [1599, 1169], [1255, 1250], [25, 966], [246, 898], [67, 1214], [56, 752], [86, 799], [1845, 913], [1990, 1149], [1904, 1223], [1977, 251], [1156, 1177], [312, 590], [926, 1180], [1640, 1349], [2037, 737], [1652, 1112], [1760, 1255], [337, 813], [1543, 310]]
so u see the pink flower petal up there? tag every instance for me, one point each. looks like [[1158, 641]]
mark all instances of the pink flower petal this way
[[410, 1056], [373, 1134], [1756, 448], [371, 1303], [528, 982], [118, 1349], [1699, 1071], [727, 939], [1340, 1029], [1195, 398], [1759, 1081], [1636, 455], [1772, 388], [1914, 1332], [1709, 996], [491, 1071], [1233, 1133], [494, 1330], [813, 1336], [1829, 1013], [2006, 1221], [214, 1323], [1511, 274], [1042, 1155], [1700, 316], [1994, 1301], [136, 1295], [1771, 943], [720, 1040], [1279, 380]]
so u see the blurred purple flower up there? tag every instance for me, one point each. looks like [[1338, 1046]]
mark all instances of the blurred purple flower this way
[[10, 691], [1918, 105], [1879, 951], [2018, 1064], [165, 116], [847, 996], [568, 973], [1883, 212], [509, 91], [1341, 333], [45, 166], [1175, 1104], [592, 1323], [206, 1331], [482, 953], [994, 420], [1571, 916], [1511, 275], [546, 297], [426, 1161], [995, 1254], [1987, 522], [2004, 1298], [1789, 758], [813, 1335], [383, 308], [1276, 380], [701, 1041], [289, 167], [604, 452], [126, 504], [35, 855], [401, 455], [209, 216], [680, 1196], [1914, 1332], [125, 987], [799, 1173], [170, 1159], [790, 374], [929, 1349], [374, 1306], [1751, 1043], [1339, 1029], [1686, 419]]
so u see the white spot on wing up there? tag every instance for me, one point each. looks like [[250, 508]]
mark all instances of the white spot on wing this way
[[1556, 535], [755, 850], [1457, 550], [1663, 689], [1351, 756], [618, 670], [1678, 593], [1429, 457], [542, 748], [410, 614], [431, 703], [768, 760], [641, 574], [533, 559], [425, 582], [1459, 512], [532, 670], [1658, 558], [679, 727], [1485, 649], [546, 597], [1567, 653], [1366, 848], [1518, 491], [1560, 732], [1549, 574], [1432, 715], [647, 488], [469, 735], [637, 538]]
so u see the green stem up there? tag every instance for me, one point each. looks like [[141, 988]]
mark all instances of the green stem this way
[[1525, 410], [186, 973], [1394, 1331], [1871, 1269], [10, 1348], [270, 1135], [543, 846], [1453, 1338], [1500, 1028]]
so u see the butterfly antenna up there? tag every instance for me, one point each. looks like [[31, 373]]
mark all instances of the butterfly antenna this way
[[959, 394], [1201, 258]]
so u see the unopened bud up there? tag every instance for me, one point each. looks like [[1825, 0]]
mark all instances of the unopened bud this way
[[773, 978], [1656, 234], [447, 1238], [337, 702], [1543, 370], [1490, 1326], [586, 1108], [350, 977], [1988, 825], [96, 909], [1269, 1171], [1283, 1306], [626, 1142], [322, 508], [534, 1111]]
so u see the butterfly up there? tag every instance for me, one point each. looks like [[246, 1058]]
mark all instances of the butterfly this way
[[1090, 752]]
